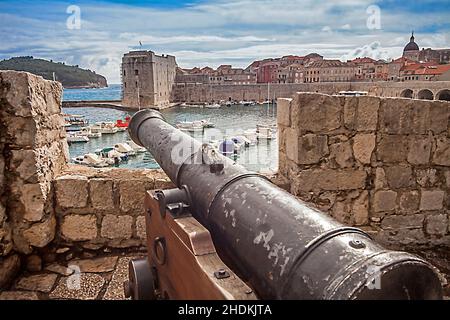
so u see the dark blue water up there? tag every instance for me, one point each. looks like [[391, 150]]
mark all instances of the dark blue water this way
[[113, 92], [229, 121]]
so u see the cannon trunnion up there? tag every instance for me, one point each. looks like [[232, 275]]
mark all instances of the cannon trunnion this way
[[271, 245]]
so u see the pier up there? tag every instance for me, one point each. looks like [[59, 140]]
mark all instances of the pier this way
[[111, 104]]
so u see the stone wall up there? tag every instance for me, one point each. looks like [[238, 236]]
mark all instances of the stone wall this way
[[379, 163], [33, 150], [107, 211], [206, 92]]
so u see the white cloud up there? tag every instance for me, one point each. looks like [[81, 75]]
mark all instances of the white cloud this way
[[212, 33]]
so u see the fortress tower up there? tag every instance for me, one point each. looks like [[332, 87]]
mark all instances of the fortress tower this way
[[147, 79]]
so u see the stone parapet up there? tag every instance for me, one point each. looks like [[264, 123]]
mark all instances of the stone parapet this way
[[107, 209], [379, 163], [33, 149]]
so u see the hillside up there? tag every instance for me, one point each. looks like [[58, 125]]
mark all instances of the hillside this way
[[69, 76]]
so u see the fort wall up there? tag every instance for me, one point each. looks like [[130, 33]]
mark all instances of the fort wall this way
[[200, 93], [382, 164]]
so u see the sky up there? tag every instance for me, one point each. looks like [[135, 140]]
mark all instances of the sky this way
[[94, 34]]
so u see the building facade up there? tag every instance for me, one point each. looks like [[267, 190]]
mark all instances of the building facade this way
[[330, 71], [147, 79]]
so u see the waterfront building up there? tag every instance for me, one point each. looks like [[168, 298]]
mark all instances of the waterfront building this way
[[147, 79], [330, 71], [426, 71]]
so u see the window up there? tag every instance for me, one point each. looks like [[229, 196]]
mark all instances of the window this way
[[136, 72], [125, 84], [124, 73]]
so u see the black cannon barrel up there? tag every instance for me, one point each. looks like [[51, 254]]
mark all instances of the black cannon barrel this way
[[283, 247]]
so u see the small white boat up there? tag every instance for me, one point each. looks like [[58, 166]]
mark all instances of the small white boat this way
[[251, 135], [76, 138], [190, 126], [87, 132], [111, 153], [136, 148], [105, 127], [91, 160], [266, 132], [205, 123], [125, 149], [213, 106]]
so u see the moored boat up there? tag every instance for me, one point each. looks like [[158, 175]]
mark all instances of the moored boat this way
[[76, 138], [106, 127]]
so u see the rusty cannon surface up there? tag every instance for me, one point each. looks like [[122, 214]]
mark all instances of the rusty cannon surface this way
[[228, 233]]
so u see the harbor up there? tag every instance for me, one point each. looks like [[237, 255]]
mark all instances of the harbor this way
[[245, 131]]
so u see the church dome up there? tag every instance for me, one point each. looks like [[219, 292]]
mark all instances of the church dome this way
[[411, 46]]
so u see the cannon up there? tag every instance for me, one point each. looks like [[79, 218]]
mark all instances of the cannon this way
[[228, 233]]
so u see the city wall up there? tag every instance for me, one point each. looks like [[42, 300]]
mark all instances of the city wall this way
[[196, 93], [382, 164]]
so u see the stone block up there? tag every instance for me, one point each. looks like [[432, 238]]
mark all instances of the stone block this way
[[39, 282], [392, 148], [401, 237], [380, 181], [360, 209], [384, 201], [341, 154], [72, 191], [32, 199], [22, 132], [101, 194], [9, 267], [29, 95], [361, 113], [439, 113], [18, 295], [436, 224], [79, 227], [34, 263], [432, 200], [403, 117], [2, 213], [284, 112], [399, 177], [363, 146], [329, 179], [427, 177], [41, 234], [132, 195], [317, 113], [311, 148], [419, 150], [23, 162], [414, 221], [117, 227], [441, 155], [447, 178], [141, 227], [97, 265], [409, 202]]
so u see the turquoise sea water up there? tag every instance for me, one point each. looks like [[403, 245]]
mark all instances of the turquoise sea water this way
[[228, 121]]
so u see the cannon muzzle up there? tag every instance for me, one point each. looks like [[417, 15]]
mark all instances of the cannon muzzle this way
[[281, 246]]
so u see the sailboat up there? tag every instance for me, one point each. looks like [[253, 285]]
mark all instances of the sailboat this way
[[266, 131]]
